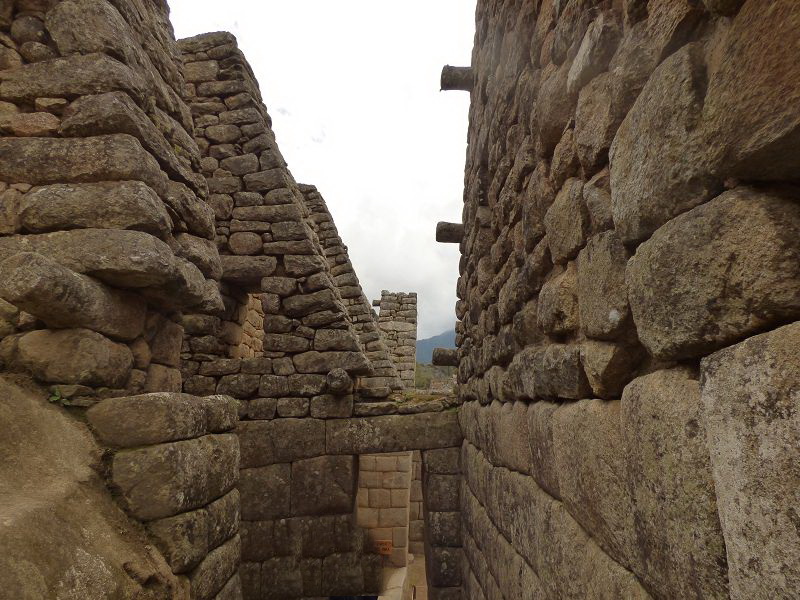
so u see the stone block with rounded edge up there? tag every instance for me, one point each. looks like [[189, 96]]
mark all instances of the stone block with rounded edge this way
[[217, 568], [679, 546], [62, 298], [77, 356], [715, 274], [750, 396], [602, 296], [567, 222], [160, 417], [323, 362], [658, 160], [70, 76], [558, 373], [247, 271], [126, 259], [87, 205], [754, 136], [41, 161], [166, 479]]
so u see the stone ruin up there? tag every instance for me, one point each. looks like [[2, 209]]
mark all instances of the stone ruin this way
[[199, 401]]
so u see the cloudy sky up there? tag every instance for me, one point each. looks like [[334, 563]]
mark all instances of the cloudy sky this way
[[353, 90]]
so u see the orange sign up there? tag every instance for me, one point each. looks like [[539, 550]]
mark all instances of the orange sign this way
[[384, 547]]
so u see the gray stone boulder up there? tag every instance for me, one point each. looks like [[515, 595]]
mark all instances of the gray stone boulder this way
[[589, 453], [602, 296], [680, 549], [750, 395], [62, 298], [754, 135], [75, 356], [41, 161], [166, 479], [658, 158], [711, 276], [102, 205]]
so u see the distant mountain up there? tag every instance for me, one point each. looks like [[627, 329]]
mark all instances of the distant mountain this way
[[425, 347]]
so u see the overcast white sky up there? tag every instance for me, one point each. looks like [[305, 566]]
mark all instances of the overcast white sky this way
[[353, 90]]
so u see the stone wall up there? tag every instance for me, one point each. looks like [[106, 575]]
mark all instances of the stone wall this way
[[398, 324], [384, 490], [628, 294], [106, 239]]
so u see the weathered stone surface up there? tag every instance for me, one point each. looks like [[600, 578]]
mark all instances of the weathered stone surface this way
[[589, 453], [392, 433], [658, 166], [323, 485], [115, 113], [187, 207], [595, 52], [104, 205], [240, 385], [602, 296], [266, 492], [215, 570], [38, 124], [754, 136], [724, 270], [557, 309], [163, 480], [159, 417], [567, 222], [280, 440], [247, 271], [202, 253], [127, 259], [245, 243], [183, 538], [750, 395], [63, 298], [162, 379], [70, 76], [40, 161], [73, 356], [540, 437], [680, 550], [322, 362], [557, 372], [608, 366]]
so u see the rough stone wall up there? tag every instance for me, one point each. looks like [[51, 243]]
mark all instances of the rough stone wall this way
[[397, 321], [384, 378], [106, 239], [628, 291]]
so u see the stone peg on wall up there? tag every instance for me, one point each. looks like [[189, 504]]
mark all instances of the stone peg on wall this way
[[449, 233], [339, 382], [457, 78], [445, 357]]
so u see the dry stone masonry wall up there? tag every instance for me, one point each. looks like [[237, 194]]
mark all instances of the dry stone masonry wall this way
[[398, 323], [628, 300], [629, 295]]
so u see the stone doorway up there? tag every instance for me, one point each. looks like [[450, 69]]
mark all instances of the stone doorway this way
[[390, 510]]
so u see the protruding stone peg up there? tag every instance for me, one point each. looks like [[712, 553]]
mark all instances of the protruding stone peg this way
[[449, 233], [339, 382], [376, 303], [457, 78], [445, 357]]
